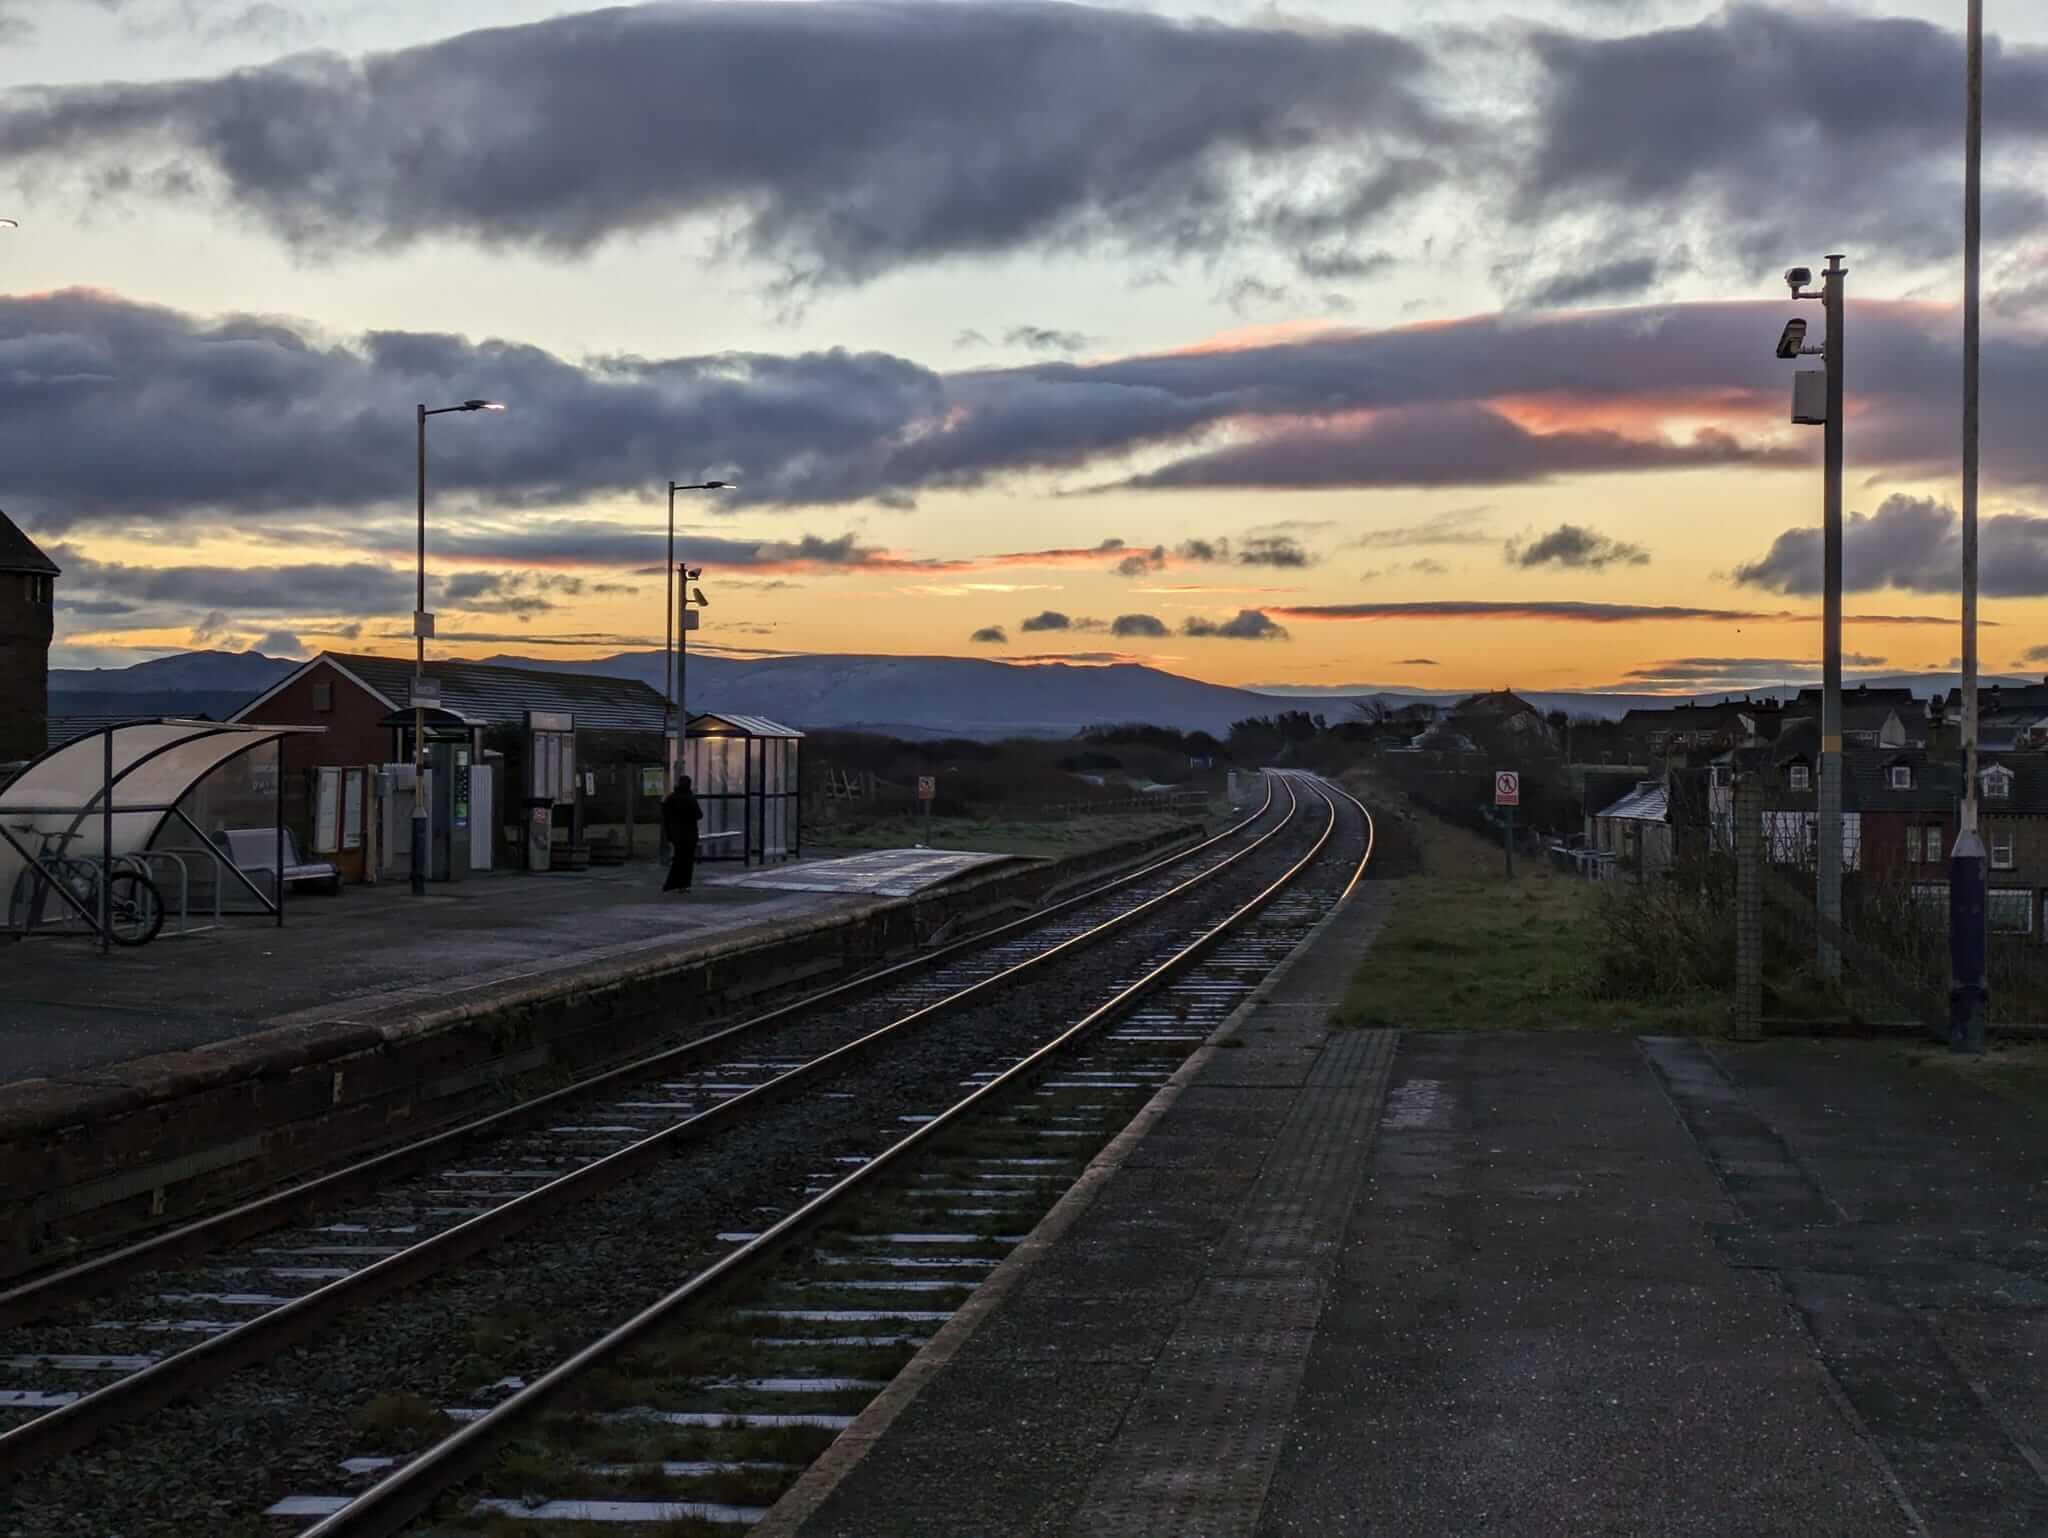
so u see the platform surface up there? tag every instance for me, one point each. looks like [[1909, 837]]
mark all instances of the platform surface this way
[[877, 873], [65, 1008], [1349, 1283]]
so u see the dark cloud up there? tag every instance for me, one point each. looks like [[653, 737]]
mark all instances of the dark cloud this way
[[1462, 445], [1203, 550], [256, 419], [1273, 550], [1416, 662], [1247, 625], [1741, 124], [1571, 545], [1141, 563], [278, 643], [1050, 619], [354, 587], [991, 635], [1626, 277], [1137, 625], [560, 134], [1047, 339], [1914, 544]]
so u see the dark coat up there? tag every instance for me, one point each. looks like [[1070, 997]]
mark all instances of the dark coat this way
[[680, 815]]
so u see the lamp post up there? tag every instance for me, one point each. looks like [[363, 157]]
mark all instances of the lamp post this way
[[668, 650], [1828, 412], [422, 627], [1969, 992]]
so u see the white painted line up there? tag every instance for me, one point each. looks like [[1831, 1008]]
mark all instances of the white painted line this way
[[307, 1506], [850, 1315]]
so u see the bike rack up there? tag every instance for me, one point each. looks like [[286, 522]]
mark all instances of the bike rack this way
[[176, 859]]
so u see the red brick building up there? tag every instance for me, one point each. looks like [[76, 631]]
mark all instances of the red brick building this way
[[28, 580]]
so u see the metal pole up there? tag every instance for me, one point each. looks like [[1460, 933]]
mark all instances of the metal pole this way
[[419, 672], [681, 578], [668, 650], [1828, 895], [278, 852], [107, 844], [1968, 900]]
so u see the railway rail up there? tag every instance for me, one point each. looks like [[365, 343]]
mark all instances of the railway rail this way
[[708, 1402], [543, 1158]]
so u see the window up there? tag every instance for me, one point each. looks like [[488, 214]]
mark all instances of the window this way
[[1934, 846], [1902, 777], [2010, 913], [1912, 846], [39, 590], [1997, 783], [2001, 849], [1800, 777], [323, 694]]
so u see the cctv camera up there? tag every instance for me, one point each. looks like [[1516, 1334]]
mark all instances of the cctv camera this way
[[1793, 338], [1797, 278]]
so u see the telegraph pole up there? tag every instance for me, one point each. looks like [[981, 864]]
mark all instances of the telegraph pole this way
[[1969, 995], [1828, 894]]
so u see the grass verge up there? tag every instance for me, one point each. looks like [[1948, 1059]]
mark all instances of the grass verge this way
[[1463, 954], [990, 835]]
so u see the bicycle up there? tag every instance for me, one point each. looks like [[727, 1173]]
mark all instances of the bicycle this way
[[135, 908]]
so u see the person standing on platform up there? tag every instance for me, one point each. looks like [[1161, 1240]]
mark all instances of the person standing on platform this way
[[680, 815]]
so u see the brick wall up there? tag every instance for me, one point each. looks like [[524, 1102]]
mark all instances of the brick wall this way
[[24, 667], [352, 735]]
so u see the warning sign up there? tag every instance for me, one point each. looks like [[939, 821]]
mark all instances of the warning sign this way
[[1507, 788], [927, 787]]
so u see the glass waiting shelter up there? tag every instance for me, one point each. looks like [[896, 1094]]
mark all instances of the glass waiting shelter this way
[[745, 771]]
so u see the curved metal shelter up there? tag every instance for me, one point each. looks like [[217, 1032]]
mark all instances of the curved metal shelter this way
[[115, 789]]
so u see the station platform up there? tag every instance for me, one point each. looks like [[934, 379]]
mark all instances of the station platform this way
[[1365, 1283], [69, 1009]]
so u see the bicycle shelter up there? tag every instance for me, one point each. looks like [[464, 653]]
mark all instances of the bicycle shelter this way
[[106, 796]]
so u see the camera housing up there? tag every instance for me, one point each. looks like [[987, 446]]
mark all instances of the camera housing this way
[[1792, 338], [1797, 278]]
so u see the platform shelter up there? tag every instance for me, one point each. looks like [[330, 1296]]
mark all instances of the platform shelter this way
[[747, 773]]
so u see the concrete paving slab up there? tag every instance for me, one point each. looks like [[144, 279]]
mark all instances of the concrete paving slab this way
[[878, 873], [70, 1009]]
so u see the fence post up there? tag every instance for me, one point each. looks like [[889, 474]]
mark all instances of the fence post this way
[[1749, 906]]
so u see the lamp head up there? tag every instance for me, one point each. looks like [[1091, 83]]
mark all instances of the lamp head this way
[[483, 406]]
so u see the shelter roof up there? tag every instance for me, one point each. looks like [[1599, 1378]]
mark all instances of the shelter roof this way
[[723, 723], [1646, 803]]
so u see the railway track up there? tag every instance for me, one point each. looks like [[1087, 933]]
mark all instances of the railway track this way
[[703, 1406], [262, 1277]]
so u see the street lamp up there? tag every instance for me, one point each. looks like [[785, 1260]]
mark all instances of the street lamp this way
[[1969, 977], [1828, 412], [422, 627], [668, 717]]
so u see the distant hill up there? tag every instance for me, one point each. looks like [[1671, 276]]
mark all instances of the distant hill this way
[[902, 696], [243, 673]]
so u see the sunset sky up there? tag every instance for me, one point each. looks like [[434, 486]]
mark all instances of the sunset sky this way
[[1316, 346]]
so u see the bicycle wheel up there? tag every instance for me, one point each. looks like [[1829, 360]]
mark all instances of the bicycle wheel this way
[[135, 908]]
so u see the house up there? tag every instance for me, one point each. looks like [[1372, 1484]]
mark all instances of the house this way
[[1635, 831], [493, 730], [28, 581], [1673, 730], [1502, 717]]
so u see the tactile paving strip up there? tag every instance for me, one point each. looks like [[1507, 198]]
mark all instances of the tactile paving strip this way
[[1197, 1451]]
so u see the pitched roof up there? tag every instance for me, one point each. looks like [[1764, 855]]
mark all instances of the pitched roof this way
[[490, 695], [19, 553], [1646, 803]]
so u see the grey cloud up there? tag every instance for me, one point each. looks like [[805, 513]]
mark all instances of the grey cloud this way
[[991, 635], [1141, 563], [1459, 526], [559, 134], [1137, 625], [1743, 123], [1571, 545], [1246, 625], [1050, 619], [1914, 544], [1416, 662], [1622, 278], [1463, 445], [1047, 339], [1273, 550], [278, 643], [344, 587]]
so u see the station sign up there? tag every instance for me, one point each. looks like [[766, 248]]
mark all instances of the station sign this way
[[1507, 788]]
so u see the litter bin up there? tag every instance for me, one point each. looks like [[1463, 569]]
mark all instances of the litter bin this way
[[540, 832]]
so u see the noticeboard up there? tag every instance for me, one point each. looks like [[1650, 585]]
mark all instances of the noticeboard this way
[[1507, 788]]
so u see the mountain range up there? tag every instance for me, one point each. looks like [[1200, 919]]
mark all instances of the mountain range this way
[[905, 696]]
